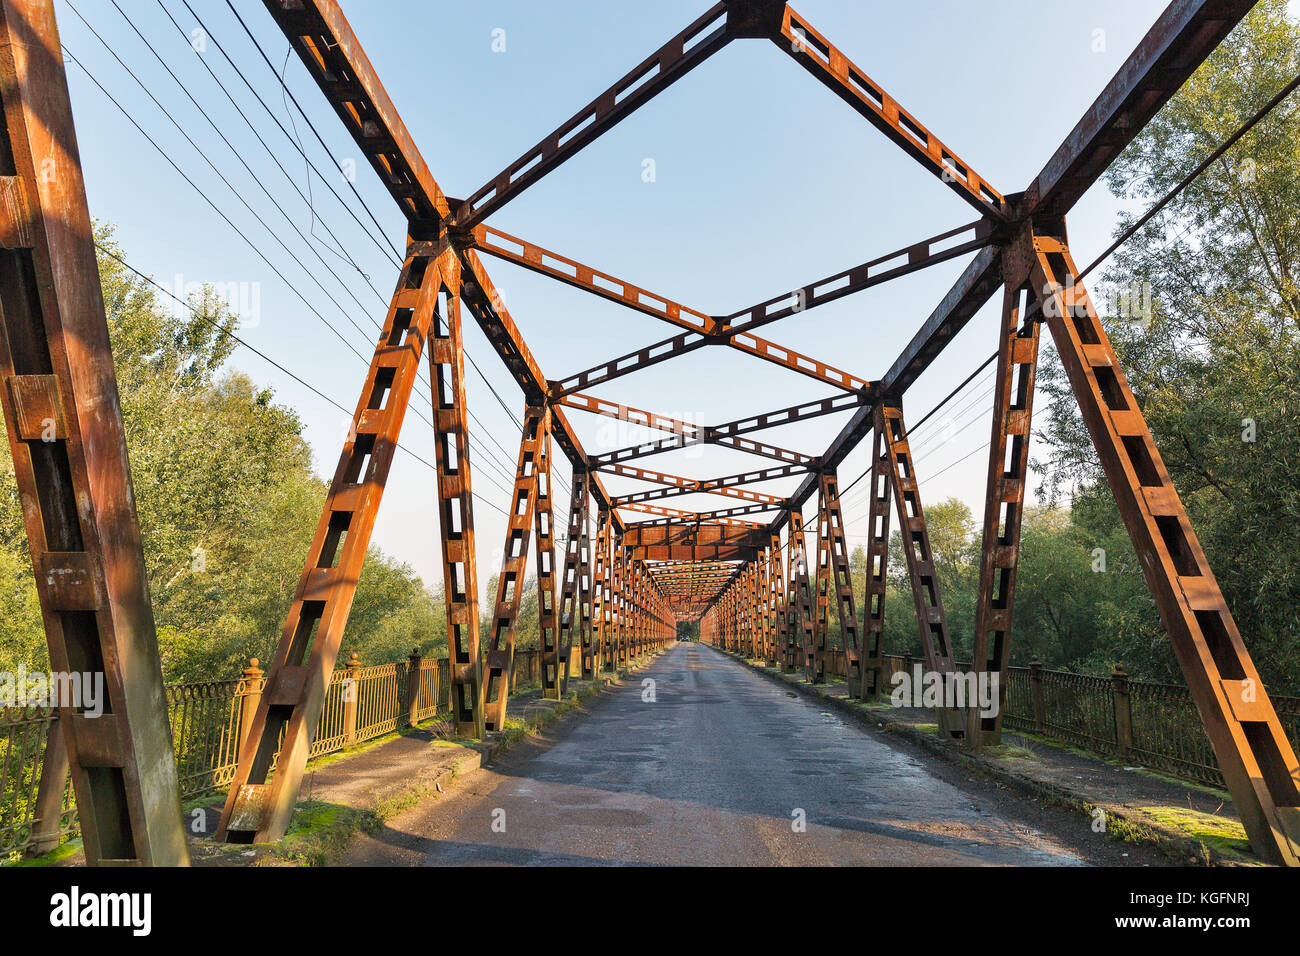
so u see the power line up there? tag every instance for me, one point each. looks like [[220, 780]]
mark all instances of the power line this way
[[270, 152], [312, 126], [271, 113], [1127, 234]]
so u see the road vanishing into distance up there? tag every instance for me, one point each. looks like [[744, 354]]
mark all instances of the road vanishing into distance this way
[[713, 764]]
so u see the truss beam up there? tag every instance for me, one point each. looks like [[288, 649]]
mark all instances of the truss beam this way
[[757, 448], [838, 73], [687, 50], [333, 56], [689, 485], [724, 515], [920, 255], [716, 484]]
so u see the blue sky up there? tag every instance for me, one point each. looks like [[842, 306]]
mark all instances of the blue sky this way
[[764, 181]]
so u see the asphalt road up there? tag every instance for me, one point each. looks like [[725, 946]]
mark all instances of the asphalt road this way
[[716, 766]]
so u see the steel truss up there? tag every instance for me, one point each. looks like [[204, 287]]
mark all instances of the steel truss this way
[[622, 595]]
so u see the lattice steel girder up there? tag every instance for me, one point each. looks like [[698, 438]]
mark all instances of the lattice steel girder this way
[[690, 341], [634, 416], [575, 583], [793, 413], [500, 656], [601, 607], [759, 449], [553, 660], [715, 484], [1185, 34], [834, 70], [59, 396], [723, 516], [893, 265], [739, 333], [618, 617], [1258, 763], [931, 621], [1013, 404], [687, 50], [333, 56], [800, 633], [701, 542], [841, 580], [571, 272], [690, 485], [879, 496], [777, 599], [689, 433], [276, 749], [821, 600], [321, 35]]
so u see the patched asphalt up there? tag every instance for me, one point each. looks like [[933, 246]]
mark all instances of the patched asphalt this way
[[697, 760]]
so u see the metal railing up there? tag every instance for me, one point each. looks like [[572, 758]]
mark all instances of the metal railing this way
[[210, 719], [1152, 724]]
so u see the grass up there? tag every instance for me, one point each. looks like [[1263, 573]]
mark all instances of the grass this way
[[1223, 834], [64, 850]]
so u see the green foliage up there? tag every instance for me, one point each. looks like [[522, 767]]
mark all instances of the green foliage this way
[[1218, 364], [226, 497]]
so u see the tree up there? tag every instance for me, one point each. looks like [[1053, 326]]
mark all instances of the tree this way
[[226, 498], [1215, 361]]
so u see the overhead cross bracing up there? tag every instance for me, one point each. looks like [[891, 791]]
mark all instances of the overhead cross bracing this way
[[759, 576]]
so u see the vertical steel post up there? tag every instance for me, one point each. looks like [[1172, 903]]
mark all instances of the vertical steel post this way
[[931, 620], [1013, 403], [575, 581], [456, 508], [62, 414], [601, 571], [801, 608], [879, 497], [500, 657], [841, 582], [777, 601], [548, 648]]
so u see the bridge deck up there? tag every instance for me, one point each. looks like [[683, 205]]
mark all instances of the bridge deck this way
[[704, 775]]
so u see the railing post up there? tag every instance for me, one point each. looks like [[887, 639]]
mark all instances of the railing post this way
[[413, 688], [1036, 691], [351, 692], [1123, 710], [48, 811], [250, 695]]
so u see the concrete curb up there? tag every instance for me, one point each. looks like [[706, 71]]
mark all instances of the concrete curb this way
[[1132, 827]]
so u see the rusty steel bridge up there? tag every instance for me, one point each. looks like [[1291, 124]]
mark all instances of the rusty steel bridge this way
[[744, 570]]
